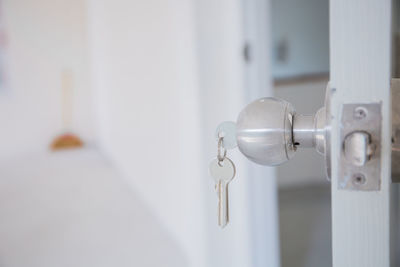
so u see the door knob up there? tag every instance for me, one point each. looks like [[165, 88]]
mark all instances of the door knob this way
[[269, 131]]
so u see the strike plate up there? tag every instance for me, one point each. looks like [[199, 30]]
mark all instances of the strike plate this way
[[365, 118]]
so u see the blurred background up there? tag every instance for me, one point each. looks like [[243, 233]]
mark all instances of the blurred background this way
[[108, 110]]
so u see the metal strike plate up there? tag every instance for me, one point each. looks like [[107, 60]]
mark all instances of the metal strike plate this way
[[395, 86], [364, 118]]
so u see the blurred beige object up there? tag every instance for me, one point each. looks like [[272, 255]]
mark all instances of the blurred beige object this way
[[67, 139]]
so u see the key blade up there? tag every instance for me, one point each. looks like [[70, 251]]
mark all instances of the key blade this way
[[223, 204], [222, 172]]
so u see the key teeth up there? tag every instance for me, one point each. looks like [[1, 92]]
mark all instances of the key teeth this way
[[222, 175]]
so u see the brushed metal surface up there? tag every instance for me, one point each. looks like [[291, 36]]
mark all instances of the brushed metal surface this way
[[264, 131], [357, 118]]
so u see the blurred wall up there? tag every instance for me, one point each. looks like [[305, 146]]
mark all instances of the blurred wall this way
[[165, 74], [223, 93], [147, 98], [44, 39], [300, 37]]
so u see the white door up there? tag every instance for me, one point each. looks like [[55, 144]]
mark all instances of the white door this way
[[364, 217], [360, 72]]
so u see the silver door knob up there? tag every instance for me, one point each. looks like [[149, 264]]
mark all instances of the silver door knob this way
[[269, 131]]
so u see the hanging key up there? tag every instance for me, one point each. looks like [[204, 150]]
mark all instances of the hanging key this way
[[223, 171]]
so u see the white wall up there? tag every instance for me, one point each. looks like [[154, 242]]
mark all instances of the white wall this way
[[45, 38], [222, 90], [144, 72], [165, 74]]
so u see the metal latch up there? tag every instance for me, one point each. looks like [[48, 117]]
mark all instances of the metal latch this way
[[360, 136]]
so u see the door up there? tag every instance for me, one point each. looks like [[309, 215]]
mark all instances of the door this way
[[360, 72], [364, 219]]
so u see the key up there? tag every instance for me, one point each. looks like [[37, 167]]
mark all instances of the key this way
[[223, 172]]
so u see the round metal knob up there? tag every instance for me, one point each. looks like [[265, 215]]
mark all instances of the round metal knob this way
[[269, 131], [264, 131]]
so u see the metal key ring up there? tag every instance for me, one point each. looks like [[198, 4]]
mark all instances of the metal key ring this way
[[220, 147]]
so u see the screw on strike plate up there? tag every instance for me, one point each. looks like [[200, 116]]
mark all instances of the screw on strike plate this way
[[360, 113], [359, 179]]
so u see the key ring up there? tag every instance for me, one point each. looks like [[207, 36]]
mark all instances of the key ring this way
[[221, 148]]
